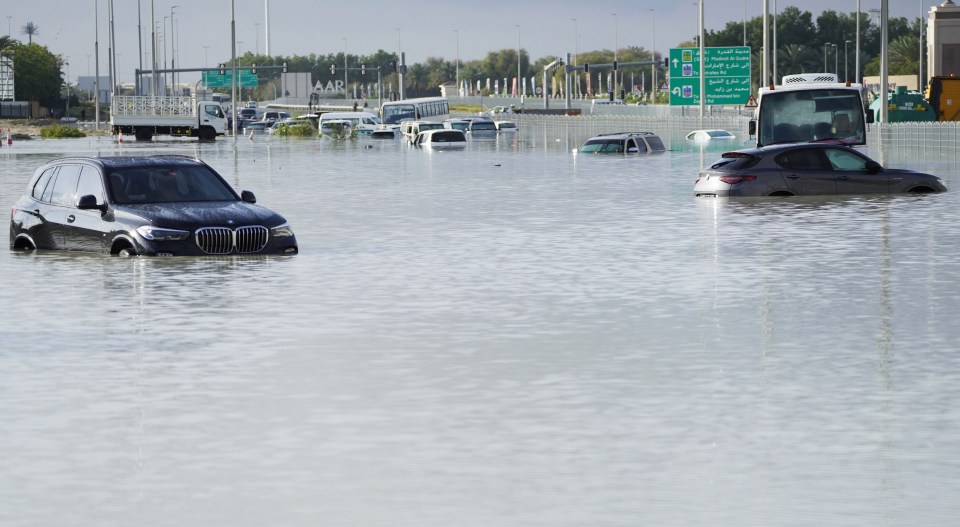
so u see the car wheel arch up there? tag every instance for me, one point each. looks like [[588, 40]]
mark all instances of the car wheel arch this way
[[120, 243], [781, 194], [24, 242]]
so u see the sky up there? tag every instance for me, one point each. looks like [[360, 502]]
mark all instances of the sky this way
[[200, 33]]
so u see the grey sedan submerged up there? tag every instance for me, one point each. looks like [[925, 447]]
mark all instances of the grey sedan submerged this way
[[807, 169]]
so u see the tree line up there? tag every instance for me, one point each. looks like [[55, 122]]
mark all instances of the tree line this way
[[802, 42]]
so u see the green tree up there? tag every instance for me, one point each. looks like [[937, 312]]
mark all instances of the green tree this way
[[6, 43], [37, 74]]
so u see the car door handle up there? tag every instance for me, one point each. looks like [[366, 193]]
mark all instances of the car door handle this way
[[793, 176], [843, 177], [71, 218]]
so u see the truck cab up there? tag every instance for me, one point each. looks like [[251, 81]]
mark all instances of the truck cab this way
[[811, 107]]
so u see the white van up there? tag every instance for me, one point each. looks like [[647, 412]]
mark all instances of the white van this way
[[363, 122], [410, 129]]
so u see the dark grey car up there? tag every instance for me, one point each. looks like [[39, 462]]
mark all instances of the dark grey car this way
[[807, 169]]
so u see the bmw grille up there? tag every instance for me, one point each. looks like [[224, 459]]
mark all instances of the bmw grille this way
[[223, 240]]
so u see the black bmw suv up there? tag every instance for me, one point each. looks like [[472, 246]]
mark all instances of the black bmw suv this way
[[158, 206]]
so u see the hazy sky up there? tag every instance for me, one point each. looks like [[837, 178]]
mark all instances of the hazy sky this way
[[201, 29]]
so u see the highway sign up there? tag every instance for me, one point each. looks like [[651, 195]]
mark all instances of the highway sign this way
[[727, 79], [246, 78]]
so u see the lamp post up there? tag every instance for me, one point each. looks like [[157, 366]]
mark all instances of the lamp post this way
[[856, 72], [173, 54], [256, 38], [653, 56], [345, 83], [846, 77], [825, 48], [615, 46], [8, 24], [457, 31], [518, 62], [836, 59], [576, 51]]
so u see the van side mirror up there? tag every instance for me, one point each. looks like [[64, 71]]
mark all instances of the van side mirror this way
[[752, 128]]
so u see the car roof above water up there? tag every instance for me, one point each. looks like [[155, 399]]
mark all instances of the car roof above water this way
[[130, 161]]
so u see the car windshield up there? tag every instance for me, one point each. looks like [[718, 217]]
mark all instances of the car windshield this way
[[605, 146], [167, 184]]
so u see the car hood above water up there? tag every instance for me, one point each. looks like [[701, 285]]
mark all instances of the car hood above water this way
[[193, 215]]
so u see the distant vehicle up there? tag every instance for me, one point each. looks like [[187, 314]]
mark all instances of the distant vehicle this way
[[335, 128], [272, 116], [435, 109], [623, 143], [384, 133], [605, 102], [807, 169], [143, 205], [506, 126], [256, 126], [709, 135], [481, 127], [457, 124], [144, 116], [440, 139], [493, 112], [361, 121], [410, 129]]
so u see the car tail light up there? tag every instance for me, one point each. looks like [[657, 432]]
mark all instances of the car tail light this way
[[733, 180]]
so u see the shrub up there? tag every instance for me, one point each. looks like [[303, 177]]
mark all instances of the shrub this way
[[60, 131], [304, 129]]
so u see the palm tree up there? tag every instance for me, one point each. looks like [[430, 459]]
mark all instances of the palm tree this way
[[30, 30], [6, 42], [795, 58]]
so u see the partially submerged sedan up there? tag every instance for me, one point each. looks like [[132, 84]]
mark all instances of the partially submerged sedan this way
[[807, 169], [154, 206]]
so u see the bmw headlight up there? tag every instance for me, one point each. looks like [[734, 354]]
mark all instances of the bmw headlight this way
[[281, 231], [158, 234]]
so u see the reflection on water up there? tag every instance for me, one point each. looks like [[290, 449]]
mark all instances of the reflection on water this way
[[510, 334]]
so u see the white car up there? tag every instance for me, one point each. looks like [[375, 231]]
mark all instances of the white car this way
[[441, 139], [709, 135], [506, 126]]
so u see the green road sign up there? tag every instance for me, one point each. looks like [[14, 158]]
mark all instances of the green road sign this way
[[246, 78], [727, 79]]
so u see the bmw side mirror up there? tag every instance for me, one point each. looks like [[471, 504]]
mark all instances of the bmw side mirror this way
[[752, 128], [873, 167], [248, 196], [89, 202], [870, 116]]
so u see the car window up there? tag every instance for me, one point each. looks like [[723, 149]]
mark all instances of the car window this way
[[655, 143], [735, 161], [42, 183], [90, 184], [845, 160], [801, 159], [636, 146], [65, 188], [212, 110], [606, 146], [168, 184]]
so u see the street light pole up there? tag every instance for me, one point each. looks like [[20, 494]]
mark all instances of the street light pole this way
[[836, 59], [457, 31], [616, 44], [653, 56], [846, 76], [345, 83], [518, 63], [173, 55], [825, 48], [576, 51]]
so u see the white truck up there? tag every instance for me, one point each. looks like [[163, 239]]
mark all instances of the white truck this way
[[144, 116], [811, 107]]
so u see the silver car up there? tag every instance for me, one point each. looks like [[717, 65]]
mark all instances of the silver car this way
[[807, 169]]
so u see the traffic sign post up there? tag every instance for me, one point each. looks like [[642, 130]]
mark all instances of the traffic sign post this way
[[726, 80]]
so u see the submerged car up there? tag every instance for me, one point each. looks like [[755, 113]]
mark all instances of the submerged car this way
[[709, 135], [807, 169], [152, 206], [440, 139], [623, 143]]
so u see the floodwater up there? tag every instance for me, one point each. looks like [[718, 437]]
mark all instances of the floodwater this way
[[509, 335]]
